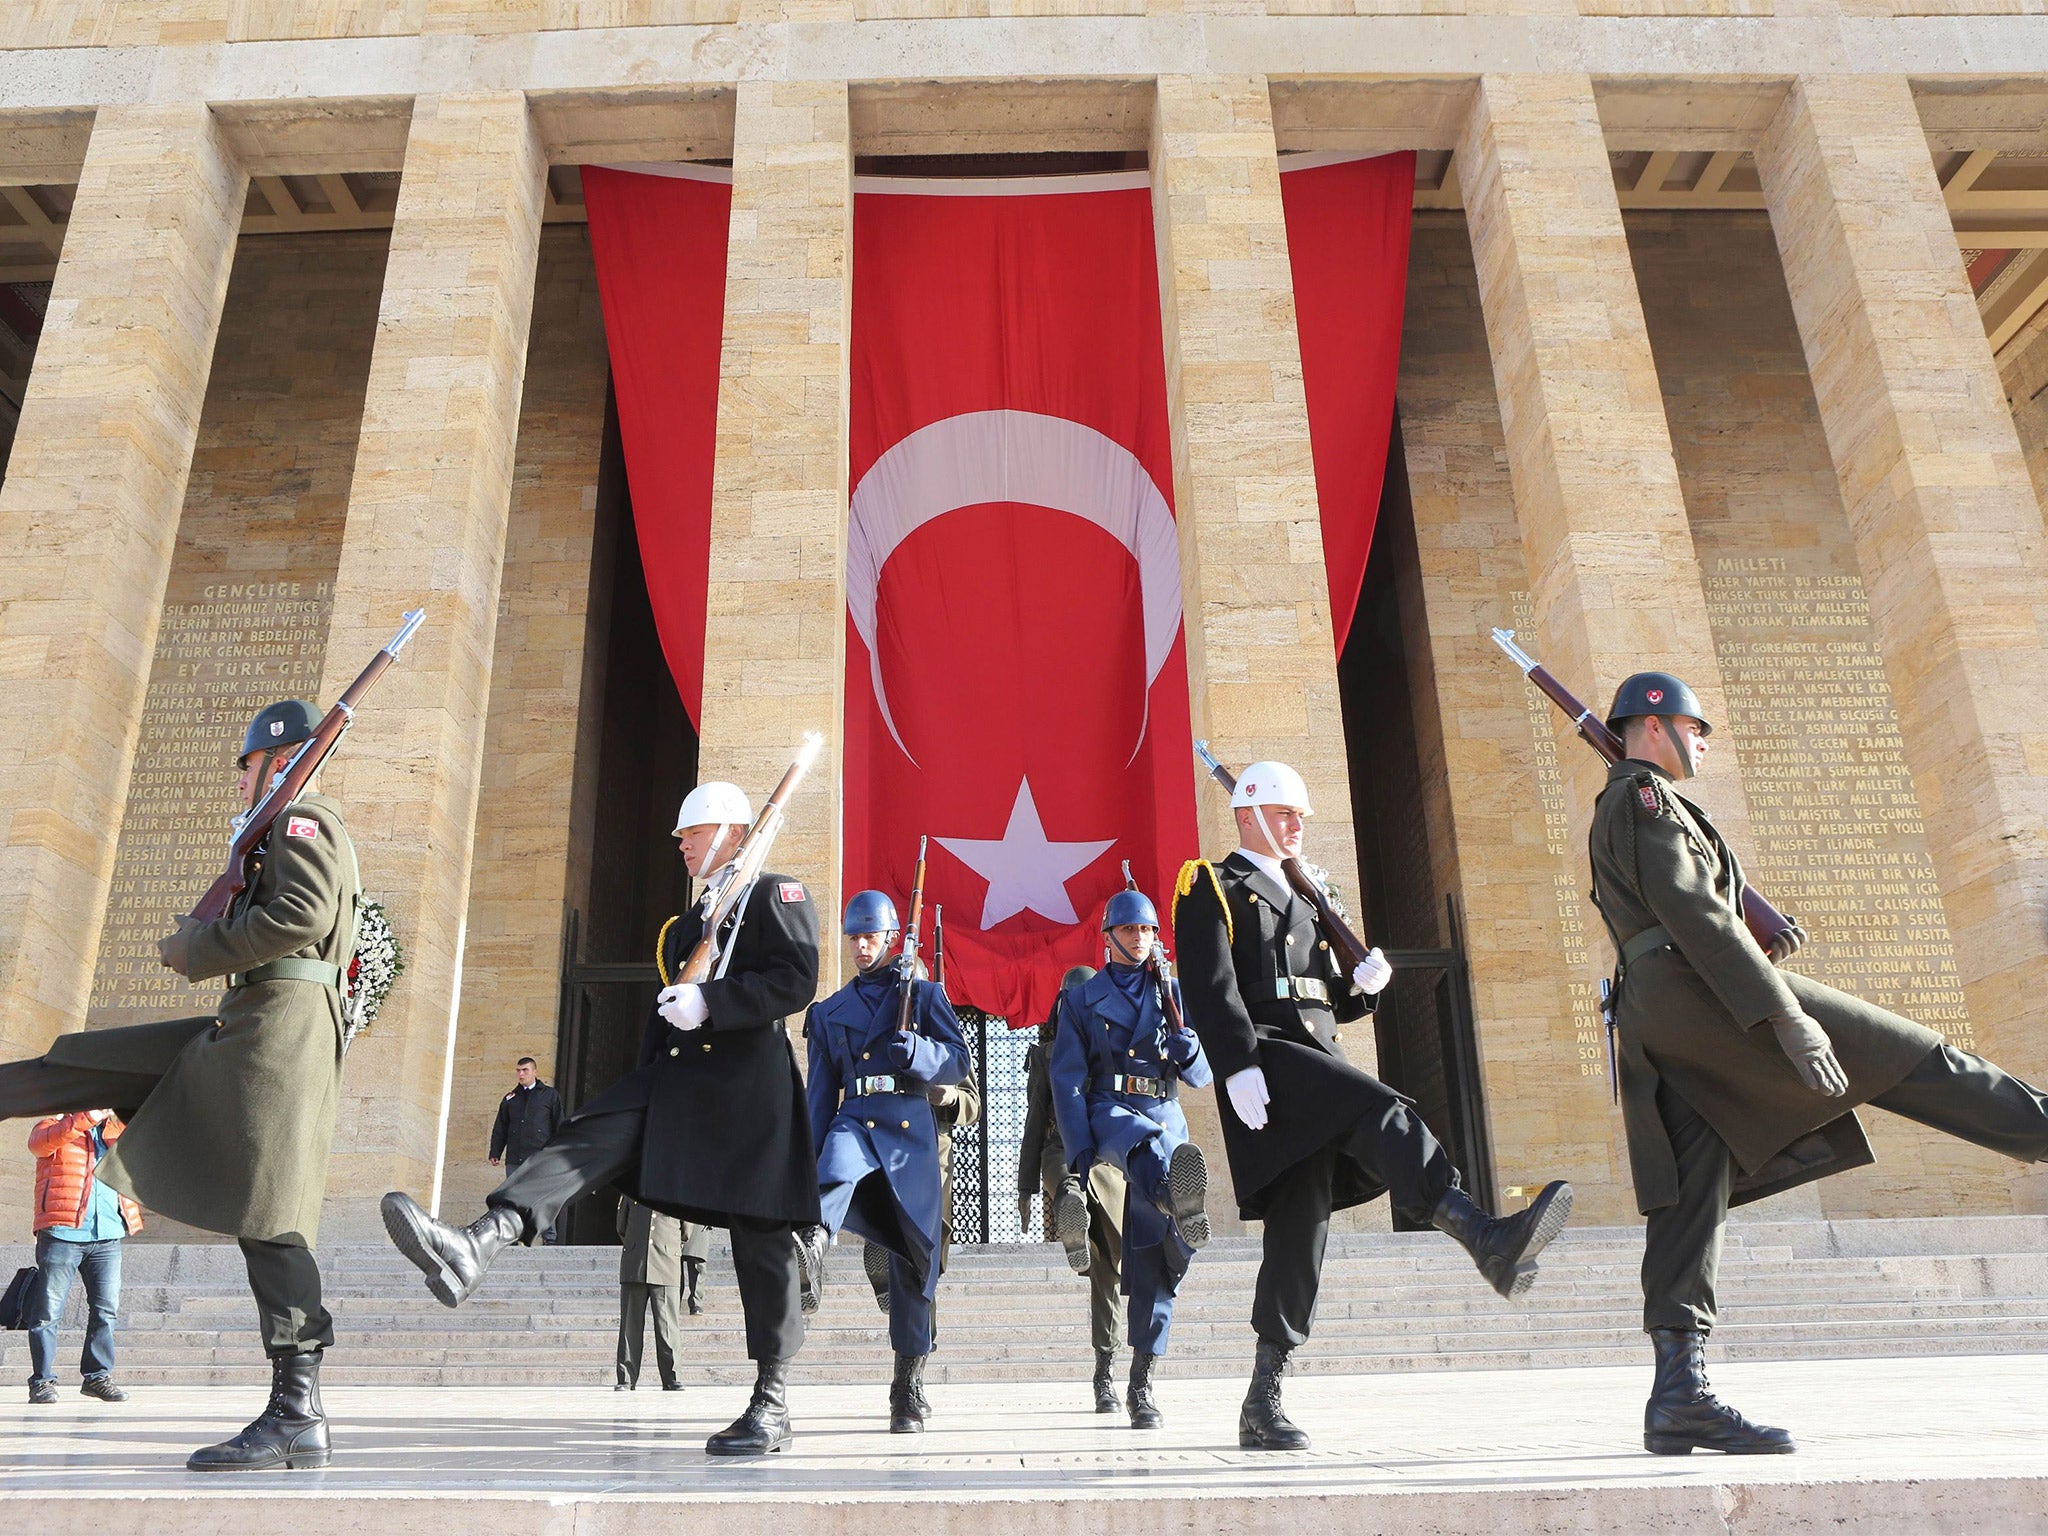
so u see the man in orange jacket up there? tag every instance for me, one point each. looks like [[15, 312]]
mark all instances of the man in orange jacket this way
[[79, 1224]]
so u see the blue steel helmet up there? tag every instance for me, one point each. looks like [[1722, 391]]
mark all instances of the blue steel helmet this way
[[283, 724], [1129, 907], [1655, 693], [870, 912]]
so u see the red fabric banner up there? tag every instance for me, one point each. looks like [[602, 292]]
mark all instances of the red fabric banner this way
[[1347, 241], [659, 240], [1016, 681]]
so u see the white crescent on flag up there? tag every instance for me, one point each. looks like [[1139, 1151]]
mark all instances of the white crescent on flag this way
[[981, 457]]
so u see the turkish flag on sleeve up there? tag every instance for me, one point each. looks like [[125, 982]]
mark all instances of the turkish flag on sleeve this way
[[1016, 681]]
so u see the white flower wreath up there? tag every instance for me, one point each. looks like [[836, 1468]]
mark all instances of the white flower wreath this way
[[376, 964]]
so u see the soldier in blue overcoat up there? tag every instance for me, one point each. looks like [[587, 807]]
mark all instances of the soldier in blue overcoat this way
[[878, 1142], [1117, 1067]]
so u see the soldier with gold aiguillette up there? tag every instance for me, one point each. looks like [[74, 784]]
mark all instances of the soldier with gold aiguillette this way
[[1738, 1080], [231, 1115], [1306, 1132]]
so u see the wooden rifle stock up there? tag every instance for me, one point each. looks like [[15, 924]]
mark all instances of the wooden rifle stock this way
[[744, 868], [906, 1007], [228, 886], [939, 946], [1765, 921], [1350, 949], [1160, 969]]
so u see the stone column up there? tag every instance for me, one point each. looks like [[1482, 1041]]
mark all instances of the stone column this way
[[1948, 529], [775, 642], [88, 518], [1615, 582], [1262, 663], [426, 526]]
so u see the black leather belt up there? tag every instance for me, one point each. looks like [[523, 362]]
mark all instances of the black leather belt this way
[[1144, 1087], [861, 1087]]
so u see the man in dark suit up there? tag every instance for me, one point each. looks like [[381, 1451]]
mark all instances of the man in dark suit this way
[[711, 1127], [528, 1118], [1306, 1132]]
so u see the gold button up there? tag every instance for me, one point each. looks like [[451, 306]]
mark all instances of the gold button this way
[[863, 1055], [675, 1050], [1252, 897], [1131, 1052], [906, 1125], [706, 1045], [1322, 944], [1311, 1025], [1290, 940], [871, 1125], [1339, 1035]]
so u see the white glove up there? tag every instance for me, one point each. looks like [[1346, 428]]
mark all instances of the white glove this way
[[1372, 974], [1248, 1096], [683, 1005]]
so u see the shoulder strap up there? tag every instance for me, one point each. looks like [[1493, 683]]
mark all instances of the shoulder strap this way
[[1190, 872], [661, 948]]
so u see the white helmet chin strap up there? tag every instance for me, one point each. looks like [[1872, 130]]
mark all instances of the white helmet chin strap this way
[[710, 848], [1272, 842]]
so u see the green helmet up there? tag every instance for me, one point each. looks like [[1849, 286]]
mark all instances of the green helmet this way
[[283, 724], [1655, 693]]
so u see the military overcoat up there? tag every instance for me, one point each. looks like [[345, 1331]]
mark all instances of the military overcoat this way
[[726, 1131], [236, 1136], [1240, 937], [1690, 1014]]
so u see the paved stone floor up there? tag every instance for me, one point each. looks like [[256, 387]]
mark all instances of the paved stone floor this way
[[1926, 1444]]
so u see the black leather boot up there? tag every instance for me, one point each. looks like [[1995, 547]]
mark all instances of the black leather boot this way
[[1262, 1424], [811, 1243], [1144, 1408], [874, 1262], [1070, 1226], [764, 1427], [454, 1259], [291, 1431], [1683, 1414], [906, 1396], [1183, 1195], [1105, 1381], [1505, 1247]]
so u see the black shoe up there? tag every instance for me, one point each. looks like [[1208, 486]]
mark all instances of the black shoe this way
[[1505, 1247], [874, 1263], [291, 1432], [625, 1386], [1683, 1415], [1145, 1412], [42, 1391], [906, 1396], [454, 1259], [696, 1306], [1105, 1381], [1262, 1424], [671, 1386], [103, 1388], [1070, 1226], [811, 1243], [1184, 1194], [764, 1427]]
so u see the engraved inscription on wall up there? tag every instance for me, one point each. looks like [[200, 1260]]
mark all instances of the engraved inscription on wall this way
[[234, 647], [1831, 805], [1588, 1033]]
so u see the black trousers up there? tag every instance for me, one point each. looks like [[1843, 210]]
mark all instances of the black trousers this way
[[283, 1276], [591, 1151], [1950, 1090], [1396, 1149]]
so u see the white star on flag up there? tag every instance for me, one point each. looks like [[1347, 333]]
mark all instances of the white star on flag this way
[[1025, 871]]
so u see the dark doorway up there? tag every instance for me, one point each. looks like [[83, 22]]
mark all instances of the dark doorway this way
[[1425, 1030], [636, 758]]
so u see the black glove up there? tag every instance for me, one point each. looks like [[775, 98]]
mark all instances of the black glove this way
[[1787, 944], [1812, 1057]]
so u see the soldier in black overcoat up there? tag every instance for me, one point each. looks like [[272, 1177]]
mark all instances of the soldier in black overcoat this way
[[1306, 1132], [711, 1126]]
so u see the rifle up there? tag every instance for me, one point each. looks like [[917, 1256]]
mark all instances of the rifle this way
[[1350, 949], [906, 1009], [731, 884], [1765, 921], [1161, 970], [288, 785], [939, 946]]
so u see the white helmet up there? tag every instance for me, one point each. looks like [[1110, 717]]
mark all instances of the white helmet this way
[[716, 801], [1269, 783]]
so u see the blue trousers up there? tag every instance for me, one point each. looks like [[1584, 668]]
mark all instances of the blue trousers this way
[[910, 1310], [61, 1261], [1148, 1280]]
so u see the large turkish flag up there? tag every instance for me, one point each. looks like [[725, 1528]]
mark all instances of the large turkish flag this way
[[1016, 683]]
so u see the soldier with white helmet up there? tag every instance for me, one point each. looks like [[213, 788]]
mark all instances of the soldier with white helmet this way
[[1306, 1132], [711, 1126]]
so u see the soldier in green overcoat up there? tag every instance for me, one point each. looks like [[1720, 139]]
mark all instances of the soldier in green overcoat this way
[[231, 1115], [1738, 1080]]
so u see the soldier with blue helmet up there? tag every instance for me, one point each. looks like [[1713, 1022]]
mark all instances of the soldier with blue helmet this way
[[1117, 1067], [870, 1087]]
